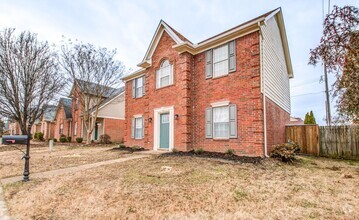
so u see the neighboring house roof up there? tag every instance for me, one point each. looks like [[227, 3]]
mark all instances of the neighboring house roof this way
[[49, 113], [184, 45], [67, 104], [109, 99], [91, 88], [296, 121]]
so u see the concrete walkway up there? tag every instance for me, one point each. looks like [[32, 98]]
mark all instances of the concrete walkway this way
[[50, 173], [4, 215]]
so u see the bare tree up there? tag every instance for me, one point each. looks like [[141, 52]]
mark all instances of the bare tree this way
[[29, 77], [95, 75], [339, 50]]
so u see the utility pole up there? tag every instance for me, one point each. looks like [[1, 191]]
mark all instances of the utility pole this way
[[327, 103]]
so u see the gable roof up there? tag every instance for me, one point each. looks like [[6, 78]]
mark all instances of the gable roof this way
[[184, 45], [67, 105], [49, 113], [92, 87]]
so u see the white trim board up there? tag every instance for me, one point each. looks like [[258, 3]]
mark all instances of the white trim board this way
[[156, 132]]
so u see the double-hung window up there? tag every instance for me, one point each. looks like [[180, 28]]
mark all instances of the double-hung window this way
[[220, 61], [138, 87], [137, 127], [221, 121], [164, 76], [61, 128]]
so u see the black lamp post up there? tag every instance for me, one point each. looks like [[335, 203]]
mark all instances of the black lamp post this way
[[27, 155]]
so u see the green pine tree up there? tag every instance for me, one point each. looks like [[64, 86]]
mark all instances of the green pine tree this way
[[306, 119], [312, 118]]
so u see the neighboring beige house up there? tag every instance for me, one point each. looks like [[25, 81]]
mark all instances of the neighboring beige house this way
[[111, 117]]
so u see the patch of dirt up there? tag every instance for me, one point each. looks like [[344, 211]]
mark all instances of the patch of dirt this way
[[216, 155]]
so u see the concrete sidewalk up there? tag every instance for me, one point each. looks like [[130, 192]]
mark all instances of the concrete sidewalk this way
[[4, 215], [50, 173]]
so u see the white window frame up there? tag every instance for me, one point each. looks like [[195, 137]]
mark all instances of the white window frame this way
[[213, 122], [135, 128], [139, 86], [61, 128], [159, 76], [220, 61], [75, 129]]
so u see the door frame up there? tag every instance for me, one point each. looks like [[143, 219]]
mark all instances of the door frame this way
[[157, 118]]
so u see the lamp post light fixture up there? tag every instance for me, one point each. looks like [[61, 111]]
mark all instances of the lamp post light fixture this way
[[27, 154], [149, 120], [176, 116]]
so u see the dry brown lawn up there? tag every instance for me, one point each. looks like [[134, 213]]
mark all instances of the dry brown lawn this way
[[62, 156], [194, 188]]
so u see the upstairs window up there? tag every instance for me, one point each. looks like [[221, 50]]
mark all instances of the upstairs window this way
[[164, 76], [138, 87], [220, 61]]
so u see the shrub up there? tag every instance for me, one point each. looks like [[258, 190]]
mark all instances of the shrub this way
[[35, 135], [79, 140], [286, 152], [55, 140], [40, 136], [122, 146], [68, 139], [198, 151], [230, 152], [63, 139], [105, 139], [174, 150]]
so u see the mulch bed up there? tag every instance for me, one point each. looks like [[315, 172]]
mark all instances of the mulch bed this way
[[215, 155], [129, 149]]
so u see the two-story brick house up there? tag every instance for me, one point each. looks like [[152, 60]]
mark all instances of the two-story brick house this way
[[230, 91], [111, 111]]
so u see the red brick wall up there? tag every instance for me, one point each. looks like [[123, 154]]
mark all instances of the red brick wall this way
[[114, 128], [177, 95], [276, 118], [242, 88], [61, 119], [76, 113], [191, 89]]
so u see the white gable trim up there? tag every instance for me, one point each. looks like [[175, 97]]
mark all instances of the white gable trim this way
[[162, 26]]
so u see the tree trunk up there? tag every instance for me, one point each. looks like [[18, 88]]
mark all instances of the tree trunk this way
[[89, 134]]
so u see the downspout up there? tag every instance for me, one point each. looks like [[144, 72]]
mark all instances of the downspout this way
[[261, 72]]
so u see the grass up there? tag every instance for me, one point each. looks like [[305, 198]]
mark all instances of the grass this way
[[61, 157], [193, 188]]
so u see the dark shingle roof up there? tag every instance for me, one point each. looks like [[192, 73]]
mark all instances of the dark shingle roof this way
[[50, 112], [93, 88], [67, 104]]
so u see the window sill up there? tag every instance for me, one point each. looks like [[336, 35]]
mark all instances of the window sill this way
[[221, 139], [164, 87], [218, 77], [138, 97]]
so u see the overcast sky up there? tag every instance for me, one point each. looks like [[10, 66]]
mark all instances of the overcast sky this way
[[129, 26]]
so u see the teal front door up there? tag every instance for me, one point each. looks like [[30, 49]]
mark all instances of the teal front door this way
[[165, 131], [96, 131]]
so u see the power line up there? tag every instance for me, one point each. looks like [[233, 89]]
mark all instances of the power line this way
[[312, 93]]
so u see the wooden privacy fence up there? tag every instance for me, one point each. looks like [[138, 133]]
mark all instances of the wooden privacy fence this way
[[332, 141], [339, 141], [306, 136]]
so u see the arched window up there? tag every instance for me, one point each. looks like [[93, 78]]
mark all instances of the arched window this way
[[164, 76]]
